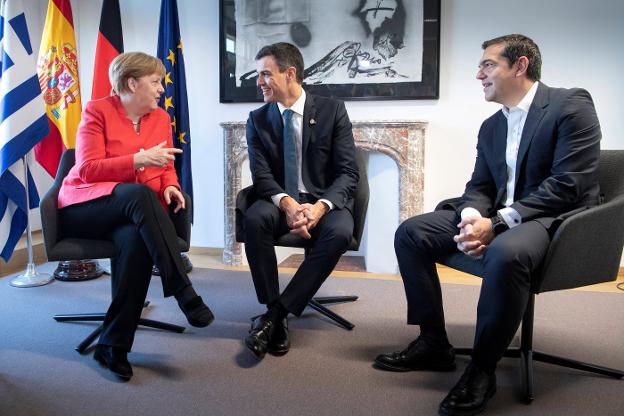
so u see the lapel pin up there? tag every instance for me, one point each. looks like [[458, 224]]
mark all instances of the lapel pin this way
[[312, 121]]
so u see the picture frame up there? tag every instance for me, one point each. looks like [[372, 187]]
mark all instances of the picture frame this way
[[352, 49]]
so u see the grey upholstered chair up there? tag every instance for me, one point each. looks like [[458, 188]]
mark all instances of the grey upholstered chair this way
[[246, 197], [565, 268], [59, 248]]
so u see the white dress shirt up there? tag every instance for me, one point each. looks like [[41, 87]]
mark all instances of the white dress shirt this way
[[516, 117], [297, 128]]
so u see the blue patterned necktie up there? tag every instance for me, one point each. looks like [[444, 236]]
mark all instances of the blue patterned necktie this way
[[291, 172]]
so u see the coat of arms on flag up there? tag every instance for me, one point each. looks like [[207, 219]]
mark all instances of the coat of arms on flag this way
[[58, 77]]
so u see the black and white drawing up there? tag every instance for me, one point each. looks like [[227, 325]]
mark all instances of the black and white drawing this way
[[353, 49]]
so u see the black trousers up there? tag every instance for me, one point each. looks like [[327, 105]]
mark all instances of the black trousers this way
[[507, 266], [143, 235], [264, 224]]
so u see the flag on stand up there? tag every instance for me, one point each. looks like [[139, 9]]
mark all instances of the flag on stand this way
[[174, 100], [23, 123], [58, 75], [109, 45]]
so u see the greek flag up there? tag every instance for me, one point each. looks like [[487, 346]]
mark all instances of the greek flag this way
[[23, 123]]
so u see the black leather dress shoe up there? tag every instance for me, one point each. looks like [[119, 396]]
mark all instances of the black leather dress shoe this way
[[279, 343], [259, 336], [471, 393], [115, 359], [418, 355]]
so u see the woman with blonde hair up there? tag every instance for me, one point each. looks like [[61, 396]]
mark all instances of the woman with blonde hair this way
[[124, 187]]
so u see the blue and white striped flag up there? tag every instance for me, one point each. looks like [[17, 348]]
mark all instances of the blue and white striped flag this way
[[23, 122]]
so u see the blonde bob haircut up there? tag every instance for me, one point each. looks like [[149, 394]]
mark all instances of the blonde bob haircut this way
[[132, 65]]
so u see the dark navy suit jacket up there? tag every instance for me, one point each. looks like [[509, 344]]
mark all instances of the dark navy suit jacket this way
[[557, 159], [329, 169]]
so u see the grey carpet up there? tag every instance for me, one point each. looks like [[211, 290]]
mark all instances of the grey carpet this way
[[327, 372]]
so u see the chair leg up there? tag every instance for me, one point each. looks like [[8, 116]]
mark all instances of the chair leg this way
[[334, 299], [99, 317], [317, 306], [161, 325], [80, 317], [577, 365], [526, 371], [82, 347], [527, 356]]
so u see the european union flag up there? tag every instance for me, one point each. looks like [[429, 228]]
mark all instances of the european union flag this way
[[174, 100]]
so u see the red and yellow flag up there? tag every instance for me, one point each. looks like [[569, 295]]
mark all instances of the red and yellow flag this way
[[57, 69]]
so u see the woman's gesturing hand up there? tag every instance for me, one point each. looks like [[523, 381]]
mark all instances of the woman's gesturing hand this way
[[158, 155]]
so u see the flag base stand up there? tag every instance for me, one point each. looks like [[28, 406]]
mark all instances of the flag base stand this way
[[31, 278], [77, 270]]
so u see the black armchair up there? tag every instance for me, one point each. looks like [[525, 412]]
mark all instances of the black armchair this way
[[246, 197], [564, 268], [60, 248]]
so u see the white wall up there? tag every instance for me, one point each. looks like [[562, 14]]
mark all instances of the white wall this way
[[580, 43]]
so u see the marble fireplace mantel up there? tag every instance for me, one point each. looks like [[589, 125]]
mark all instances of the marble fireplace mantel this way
[[401, 140]]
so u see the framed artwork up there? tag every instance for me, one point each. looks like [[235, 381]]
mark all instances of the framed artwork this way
[[352, 49]]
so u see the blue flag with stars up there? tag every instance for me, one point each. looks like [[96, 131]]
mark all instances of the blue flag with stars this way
[[174, 100]]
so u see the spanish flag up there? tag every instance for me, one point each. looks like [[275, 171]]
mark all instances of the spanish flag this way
[[57, 69]]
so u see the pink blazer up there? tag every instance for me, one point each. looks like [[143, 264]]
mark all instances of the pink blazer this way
[[105, 145]]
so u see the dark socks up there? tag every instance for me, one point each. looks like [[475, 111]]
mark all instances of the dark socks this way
[[435, 336], [276, 312], [186, 294]]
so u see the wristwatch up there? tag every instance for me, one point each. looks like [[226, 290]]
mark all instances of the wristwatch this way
[[498, 224]]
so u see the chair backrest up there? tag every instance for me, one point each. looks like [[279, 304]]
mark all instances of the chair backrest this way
[[587, 248], [70, 249], [611, 173], [360, 203]]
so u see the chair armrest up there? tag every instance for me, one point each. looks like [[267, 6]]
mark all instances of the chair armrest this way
[[586, 249], [182, 222]]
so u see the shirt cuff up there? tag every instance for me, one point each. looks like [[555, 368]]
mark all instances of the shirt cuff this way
[[510, 216], [277, 198], [328, 203], [469, 212]]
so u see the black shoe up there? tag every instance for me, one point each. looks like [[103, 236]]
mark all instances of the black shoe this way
[[471, 393], [115, 359], [260, 335], [418, 355], [196, 312], [279, 342]]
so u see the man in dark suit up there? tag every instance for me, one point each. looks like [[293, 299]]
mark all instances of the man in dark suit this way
[[536, 162], [302, 160]]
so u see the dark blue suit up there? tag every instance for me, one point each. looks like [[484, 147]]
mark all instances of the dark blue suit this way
[[555, 175], [329, 171]]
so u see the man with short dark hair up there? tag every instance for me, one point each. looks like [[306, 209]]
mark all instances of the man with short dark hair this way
[[302, 160], [536, 161]]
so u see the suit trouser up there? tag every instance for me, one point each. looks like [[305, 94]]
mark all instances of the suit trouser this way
[[507, 267], [265, 223], [143, 234]]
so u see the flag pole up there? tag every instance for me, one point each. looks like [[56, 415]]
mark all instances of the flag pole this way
[[30, 277]]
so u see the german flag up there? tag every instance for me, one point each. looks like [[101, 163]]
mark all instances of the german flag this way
[[57, 69], [109, 45]]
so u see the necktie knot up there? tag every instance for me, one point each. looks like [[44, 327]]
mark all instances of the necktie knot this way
[[288, 113]]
